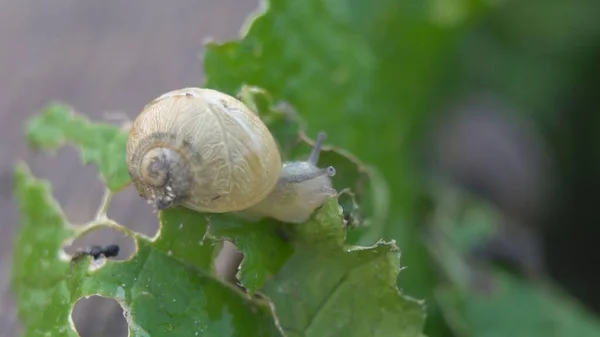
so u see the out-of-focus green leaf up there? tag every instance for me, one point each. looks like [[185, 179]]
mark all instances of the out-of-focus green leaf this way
[[489, 302], [515, 308], [100, 144], [526, 57], [163, 288]]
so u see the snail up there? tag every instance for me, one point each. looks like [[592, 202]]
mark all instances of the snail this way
[[207, 151]]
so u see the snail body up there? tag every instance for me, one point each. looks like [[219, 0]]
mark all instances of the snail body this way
[[301, 189], [207, 151]]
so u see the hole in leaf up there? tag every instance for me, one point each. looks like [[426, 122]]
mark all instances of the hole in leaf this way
[[132, 211], [103, 237], [228, 262], [99, 316], [77, 188]]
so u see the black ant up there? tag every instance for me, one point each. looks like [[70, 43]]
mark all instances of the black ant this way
[[96, 252]]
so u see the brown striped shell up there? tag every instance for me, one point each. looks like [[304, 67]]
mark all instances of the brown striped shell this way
[[201, 149]]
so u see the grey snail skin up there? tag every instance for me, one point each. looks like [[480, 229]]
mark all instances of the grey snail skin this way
[[301, 189], [207, 151]]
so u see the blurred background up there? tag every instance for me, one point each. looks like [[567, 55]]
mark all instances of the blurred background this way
[[506, 151]]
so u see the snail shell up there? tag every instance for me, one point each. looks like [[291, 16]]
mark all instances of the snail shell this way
[[201, 149]]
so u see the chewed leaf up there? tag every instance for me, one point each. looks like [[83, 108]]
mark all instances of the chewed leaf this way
[[264, 249], [328, 289], [173, 273], [160, 293], [183, 236], [100, 144], [166, 297], [39, 277], [318, 284]]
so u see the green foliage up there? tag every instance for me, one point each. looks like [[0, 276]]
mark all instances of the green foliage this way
[[369, 74], [365, 73], [323, 297], [481, 302], [165, 288], [99, 143], [532, 310], [372, 73], [305, 280]]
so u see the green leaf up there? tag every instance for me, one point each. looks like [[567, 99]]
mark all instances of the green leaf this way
[[183, 242], [300, 267], [100, 144], [480, 301], [183, 236], [518, 45], [38, 275], [328, 289], [531, 309], [265, 252], [318, 284], [364, 72], [287, 126], [161, 292], [308, 272]]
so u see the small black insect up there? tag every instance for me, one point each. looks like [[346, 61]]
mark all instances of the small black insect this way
[[96, 252]]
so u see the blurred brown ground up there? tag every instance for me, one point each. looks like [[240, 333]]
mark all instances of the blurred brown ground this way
[[100, 57]]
